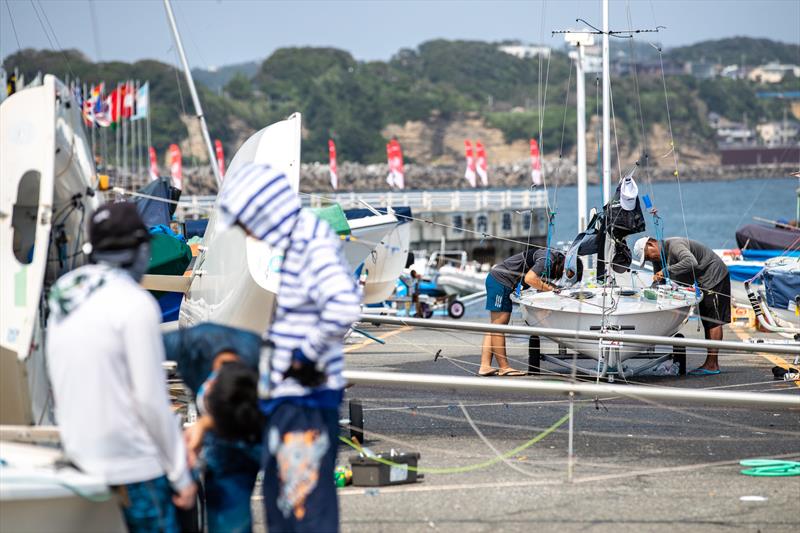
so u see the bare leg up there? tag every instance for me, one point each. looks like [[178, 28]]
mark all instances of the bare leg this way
[[714, 334], [494, 344]]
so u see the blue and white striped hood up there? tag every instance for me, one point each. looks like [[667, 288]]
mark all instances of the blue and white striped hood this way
[[317, 299], [261, 200]]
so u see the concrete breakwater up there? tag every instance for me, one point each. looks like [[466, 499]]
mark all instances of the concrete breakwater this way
[[355, 176]]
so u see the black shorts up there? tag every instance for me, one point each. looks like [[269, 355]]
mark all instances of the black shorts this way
[[715, 308]]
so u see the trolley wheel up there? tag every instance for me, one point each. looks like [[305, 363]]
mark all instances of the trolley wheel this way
[[427, 310], [679, 356], [455, 309], [356, 421], [534, 355]]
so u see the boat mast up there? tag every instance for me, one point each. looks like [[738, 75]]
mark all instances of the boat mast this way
[[580, 40], [212, 159], [606, 111]]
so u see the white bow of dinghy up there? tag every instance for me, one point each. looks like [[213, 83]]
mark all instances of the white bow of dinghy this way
[[235, 277]]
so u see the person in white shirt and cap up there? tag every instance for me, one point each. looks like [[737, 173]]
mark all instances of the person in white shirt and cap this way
[[104, 355], [689, 262]]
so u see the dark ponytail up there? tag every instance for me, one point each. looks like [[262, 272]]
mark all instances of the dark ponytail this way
[[233, 403]]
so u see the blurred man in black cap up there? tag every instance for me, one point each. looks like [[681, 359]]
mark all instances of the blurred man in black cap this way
[[104, 354]]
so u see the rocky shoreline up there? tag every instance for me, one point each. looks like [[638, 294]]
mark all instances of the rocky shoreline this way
[[354, 176]]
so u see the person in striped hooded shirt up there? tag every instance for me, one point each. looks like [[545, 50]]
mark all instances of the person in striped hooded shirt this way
[[301, 381]]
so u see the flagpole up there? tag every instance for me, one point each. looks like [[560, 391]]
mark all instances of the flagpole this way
[[149, 137], [134, 137], [124, 133], [139, 135], [212, 159], [117, 128]]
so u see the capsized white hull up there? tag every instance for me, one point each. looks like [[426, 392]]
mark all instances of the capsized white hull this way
[[37, 496], [634, 314], [48, 179], [461, 281], [236, 277], [385, 266], [366, 235]]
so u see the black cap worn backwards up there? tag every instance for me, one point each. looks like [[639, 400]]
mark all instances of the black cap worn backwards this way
[[117, 227]]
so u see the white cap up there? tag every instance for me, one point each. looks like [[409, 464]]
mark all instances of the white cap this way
[[628, 193], [637, 255]]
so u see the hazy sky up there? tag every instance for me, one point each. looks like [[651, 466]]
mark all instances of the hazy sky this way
[[220, 32]]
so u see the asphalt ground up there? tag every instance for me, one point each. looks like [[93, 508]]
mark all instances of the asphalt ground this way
[[637, 466]]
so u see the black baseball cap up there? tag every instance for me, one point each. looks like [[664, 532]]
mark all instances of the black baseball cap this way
[[117, 227]]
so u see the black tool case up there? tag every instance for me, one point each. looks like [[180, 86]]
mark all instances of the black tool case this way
[[367, 472]]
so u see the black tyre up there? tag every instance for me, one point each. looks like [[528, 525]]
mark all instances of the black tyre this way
[[456, 309], [427, 311]]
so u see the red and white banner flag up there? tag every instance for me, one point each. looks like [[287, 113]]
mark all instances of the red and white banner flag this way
[[128, 100], [176, 166], [153, 163], [480, 162], [332, 164], [114, 102], [394, 153], [536, 163], [469, 173], [220, 157]]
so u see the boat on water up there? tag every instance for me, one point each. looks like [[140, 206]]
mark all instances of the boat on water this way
[[759, 244], [49, 189]]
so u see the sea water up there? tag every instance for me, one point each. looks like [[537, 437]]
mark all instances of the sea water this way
[[706, 211]]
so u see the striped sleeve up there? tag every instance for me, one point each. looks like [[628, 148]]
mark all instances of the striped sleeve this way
[[333, 290]]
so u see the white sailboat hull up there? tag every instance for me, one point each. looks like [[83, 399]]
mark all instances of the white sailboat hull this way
[[633, 315], [461, 281], [236, 277], [46, 169], [386, 265], [367, 234], [37, 496]]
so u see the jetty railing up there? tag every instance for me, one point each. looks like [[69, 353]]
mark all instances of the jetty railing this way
[[439, 201]]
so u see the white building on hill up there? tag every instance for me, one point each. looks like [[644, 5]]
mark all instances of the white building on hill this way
[[772, 73], [524, 51]]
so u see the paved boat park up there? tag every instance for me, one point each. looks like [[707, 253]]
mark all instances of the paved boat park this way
[[638, 466]]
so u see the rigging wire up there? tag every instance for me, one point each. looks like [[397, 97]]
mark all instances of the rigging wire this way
[[57, 46], [636, 87], [674, 153], [95, 30], [13, 26]]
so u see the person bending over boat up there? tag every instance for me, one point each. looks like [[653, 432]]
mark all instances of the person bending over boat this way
[[301, 382], [688, 262], [104, 359], [533, 268], [219, 364]]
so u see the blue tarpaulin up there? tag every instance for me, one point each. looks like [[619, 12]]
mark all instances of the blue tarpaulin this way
[[195, 348], [155, 211], [782, 286]]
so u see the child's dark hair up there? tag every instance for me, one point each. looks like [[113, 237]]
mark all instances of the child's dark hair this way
[[233, 403]]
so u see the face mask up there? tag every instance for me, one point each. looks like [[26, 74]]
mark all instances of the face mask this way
[[133, 260], [140, 262]]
